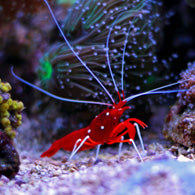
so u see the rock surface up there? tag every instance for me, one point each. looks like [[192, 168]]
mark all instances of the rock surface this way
[[9, 158], [180, 122]]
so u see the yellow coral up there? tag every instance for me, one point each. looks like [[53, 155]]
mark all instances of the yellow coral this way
[[5, 87], [20, 106], [5, 122], [4, 107], [10, 132], [1, 99], [10, 111]]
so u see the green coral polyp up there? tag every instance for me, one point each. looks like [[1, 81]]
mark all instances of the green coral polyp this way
[[45, 70], [10, 117]]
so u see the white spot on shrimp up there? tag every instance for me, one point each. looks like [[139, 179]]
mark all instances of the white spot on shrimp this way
[[89, 131], [107, 113], [102, 127]]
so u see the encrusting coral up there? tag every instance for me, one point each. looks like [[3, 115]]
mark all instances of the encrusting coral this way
[[10, 111]]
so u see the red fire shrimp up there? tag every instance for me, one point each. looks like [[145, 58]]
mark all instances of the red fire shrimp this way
[[106, 127]]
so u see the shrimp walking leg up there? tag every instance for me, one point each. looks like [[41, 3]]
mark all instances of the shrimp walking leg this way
[[77, 148], [139, 135], [135, 147], [97, 151], [120, 148]]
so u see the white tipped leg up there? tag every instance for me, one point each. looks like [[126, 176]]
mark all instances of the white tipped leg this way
[[135, 147], [97, 152], [139, 135], [120, 147], [75, 149], [75, 145]]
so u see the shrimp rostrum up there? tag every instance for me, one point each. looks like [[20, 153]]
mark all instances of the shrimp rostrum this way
[[106, 127]]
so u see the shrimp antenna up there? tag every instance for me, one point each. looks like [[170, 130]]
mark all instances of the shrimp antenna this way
[[76, 55], [157, 91], [107, 54], [55, 96], [123, 59]]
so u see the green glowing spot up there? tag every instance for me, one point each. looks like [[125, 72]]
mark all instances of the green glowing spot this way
[[151, 79], [45, 70]]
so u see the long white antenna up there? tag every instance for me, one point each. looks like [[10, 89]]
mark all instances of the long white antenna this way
[[157, 90], [107, 54], [73, 51], [123, 57], [55, 96]]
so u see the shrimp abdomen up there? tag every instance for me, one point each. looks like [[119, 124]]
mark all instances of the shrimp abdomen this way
[[67, 142]]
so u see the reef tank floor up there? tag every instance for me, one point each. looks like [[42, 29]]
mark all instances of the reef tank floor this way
[[161, 173]]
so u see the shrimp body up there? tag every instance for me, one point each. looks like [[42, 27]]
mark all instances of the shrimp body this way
[[104, 128], [67, 142]]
